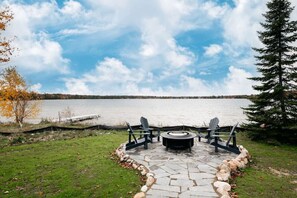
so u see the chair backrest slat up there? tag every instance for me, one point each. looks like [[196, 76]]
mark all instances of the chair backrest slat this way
[[231, 133], [131, 132], [144, 123], [213, 125]]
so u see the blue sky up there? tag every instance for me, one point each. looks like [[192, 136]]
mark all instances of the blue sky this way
[[137, 47]]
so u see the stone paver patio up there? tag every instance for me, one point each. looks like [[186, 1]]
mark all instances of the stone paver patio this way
[[181, 173]]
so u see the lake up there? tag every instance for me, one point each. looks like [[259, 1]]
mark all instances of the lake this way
[[159, 112]]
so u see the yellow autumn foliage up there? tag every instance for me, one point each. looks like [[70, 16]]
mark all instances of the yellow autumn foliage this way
[[5, 48], [15, 98]]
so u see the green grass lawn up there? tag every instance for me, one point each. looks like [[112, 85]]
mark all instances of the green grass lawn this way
[[71, 167], [262, 179]]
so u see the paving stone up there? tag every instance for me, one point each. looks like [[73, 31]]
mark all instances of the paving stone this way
[[161, 175], [175, 167], [184, 166], [168, 170], [204, 182], [193, 170], [179, 176], [144, 163], [206, 168], [184, 189], [189, 195], [183, 172], [199, 176], [163, 181], [182, 183], [185, 194], [214, 164], [158, 158], [161, 193], [159, 170], [202, 189], [166, 188], [206, 194], [154, 167], [191, 165]]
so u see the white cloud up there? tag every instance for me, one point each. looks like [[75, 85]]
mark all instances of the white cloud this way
[[215, 11], [242, 22], [179, 57], [72, 8], [235, 83], [213, 50], [112, 70], [193, 86], [36, 50], [110, 76], [147, 50], [36, 87], [77, 86], [158, 41], [38, 53]]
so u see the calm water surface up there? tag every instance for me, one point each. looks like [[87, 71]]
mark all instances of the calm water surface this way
[[160, 112]]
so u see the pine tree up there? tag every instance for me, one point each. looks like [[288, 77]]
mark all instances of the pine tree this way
[[275, 108]]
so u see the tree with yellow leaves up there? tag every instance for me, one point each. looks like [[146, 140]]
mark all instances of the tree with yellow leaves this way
[[5, 48], [15, 98]]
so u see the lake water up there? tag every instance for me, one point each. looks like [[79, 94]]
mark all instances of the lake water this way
[[159, 112]]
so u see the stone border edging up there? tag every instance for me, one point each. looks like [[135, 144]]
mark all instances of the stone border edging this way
[[144, 171], [225, 170]]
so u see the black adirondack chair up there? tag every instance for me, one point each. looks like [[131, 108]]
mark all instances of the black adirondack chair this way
[[146, 128], [134, 142], [231, 137], [212, 128]]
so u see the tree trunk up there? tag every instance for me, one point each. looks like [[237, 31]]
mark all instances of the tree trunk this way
[[280, 79]]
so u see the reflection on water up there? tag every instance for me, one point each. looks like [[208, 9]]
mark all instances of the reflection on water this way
[[160, 112]]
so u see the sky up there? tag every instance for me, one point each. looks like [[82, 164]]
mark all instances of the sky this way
[[137, 47]]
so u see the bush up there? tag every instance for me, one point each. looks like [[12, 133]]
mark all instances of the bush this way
[[270, 135], [18, 140]]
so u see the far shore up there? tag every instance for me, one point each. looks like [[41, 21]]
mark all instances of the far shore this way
[[56, 96]]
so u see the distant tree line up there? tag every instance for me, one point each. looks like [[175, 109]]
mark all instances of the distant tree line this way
[[59, 96]]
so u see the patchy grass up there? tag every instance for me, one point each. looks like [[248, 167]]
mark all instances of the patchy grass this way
[[67, 167], [273, 172]]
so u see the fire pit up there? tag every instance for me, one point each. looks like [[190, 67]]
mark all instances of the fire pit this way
[[178, 139]]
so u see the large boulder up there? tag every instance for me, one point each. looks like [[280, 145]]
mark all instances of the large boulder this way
[[223, 188], [150, 181], [144, 188], [232, 165], [222, 175]]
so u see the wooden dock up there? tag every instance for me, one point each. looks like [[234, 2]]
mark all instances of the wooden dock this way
[[78, 118]]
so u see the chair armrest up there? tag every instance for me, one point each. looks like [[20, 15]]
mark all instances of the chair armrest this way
[[141, 133]]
